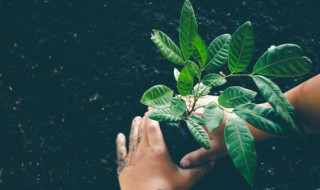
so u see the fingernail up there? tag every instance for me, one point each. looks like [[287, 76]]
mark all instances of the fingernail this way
[[138, 118], [185, 163], [120, 135]]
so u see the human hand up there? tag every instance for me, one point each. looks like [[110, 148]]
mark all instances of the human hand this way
[[147, 165], [218, 147]]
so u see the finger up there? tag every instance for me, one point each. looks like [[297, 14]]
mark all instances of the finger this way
[[192, 175], [121, 151], [143, 140], [134, 136], [154, 133], [196, 157]]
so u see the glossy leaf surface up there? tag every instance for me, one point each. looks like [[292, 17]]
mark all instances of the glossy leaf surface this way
[[283, 61], [185, 81], [241, 147], [188, 29], [200, 51], [199, 134], [213, 79], [201, 88], [167, 47], [218, 52], [164, 115], [158, 96], [235, 96], [178, 106], [194, 68], [241, 48], [197, 119], [212, 116]]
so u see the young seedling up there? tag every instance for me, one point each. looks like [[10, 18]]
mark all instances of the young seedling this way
[[237, 51]]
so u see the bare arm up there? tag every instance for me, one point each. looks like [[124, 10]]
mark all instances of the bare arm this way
[[305, 99]]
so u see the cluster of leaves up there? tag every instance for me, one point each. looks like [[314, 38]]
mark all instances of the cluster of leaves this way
[[237, 51]]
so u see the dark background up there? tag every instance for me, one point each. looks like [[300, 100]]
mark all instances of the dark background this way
[[72, 73]]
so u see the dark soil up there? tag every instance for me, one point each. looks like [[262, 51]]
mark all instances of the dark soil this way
[[72, 73]]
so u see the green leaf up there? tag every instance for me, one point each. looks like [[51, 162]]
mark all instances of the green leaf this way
[[176, 73], [201, 88], [235, 96], [158, 96], [188, 29], [218, 52], [167, 47], [164, 115], [241, 48], [200, 51], [199, 134], [196, 119], [283, 61], [194, 68], [212, 116], [178, 106], [263, 118], [185, 81], [241, 147], [273, 95], [213, 79]]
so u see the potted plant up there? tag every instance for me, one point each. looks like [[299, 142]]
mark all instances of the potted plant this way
[[196, 79]]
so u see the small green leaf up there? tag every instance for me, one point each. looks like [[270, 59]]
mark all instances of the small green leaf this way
[[283, 61], [241, 48], [218, 52], [176, 73], [241, 147], [235, 96], [178, 106], [185, 81], [188, 29], [199, 134], [213, 79], [167, 47], [201, 90], [264, 118], [196, 119], [212, 116], [273, 95], [200, 51], [194, 68], [164, 115], [158, 96]]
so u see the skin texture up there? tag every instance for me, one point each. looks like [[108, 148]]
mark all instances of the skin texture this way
[[305, 99], [147, 164]]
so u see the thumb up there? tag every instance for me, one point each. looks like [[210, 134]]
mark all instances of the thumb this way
[[196, 157], [192, 175]]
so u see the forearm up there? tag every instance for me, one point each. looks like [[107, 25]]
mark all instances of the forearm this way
[[305, 99]]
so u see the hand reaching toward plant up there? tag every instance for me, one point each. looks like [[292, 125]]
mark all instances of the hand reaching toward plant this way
[[147, 165]]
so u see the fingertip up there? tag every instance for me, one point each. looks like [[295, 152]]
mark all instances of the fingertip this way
[[184, 163]]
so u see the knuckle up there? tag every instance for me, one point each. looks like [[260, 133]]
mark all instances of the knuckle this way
[[158, 150]]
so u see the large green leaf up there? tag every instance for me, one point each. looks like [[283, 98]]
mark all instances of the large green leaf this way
[[212, 116], [201, 88], [164, 115], [167, 47], [194, 68], [185, 81], [158, 96], [263, 118], [241, 48], [235, 96], [218, 52], [200, 51], [283, 61], [199, 134], [273, 95], [241, 148], [197, 119], [213, 79], [188, 29], [178, 106], [176, 73]]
